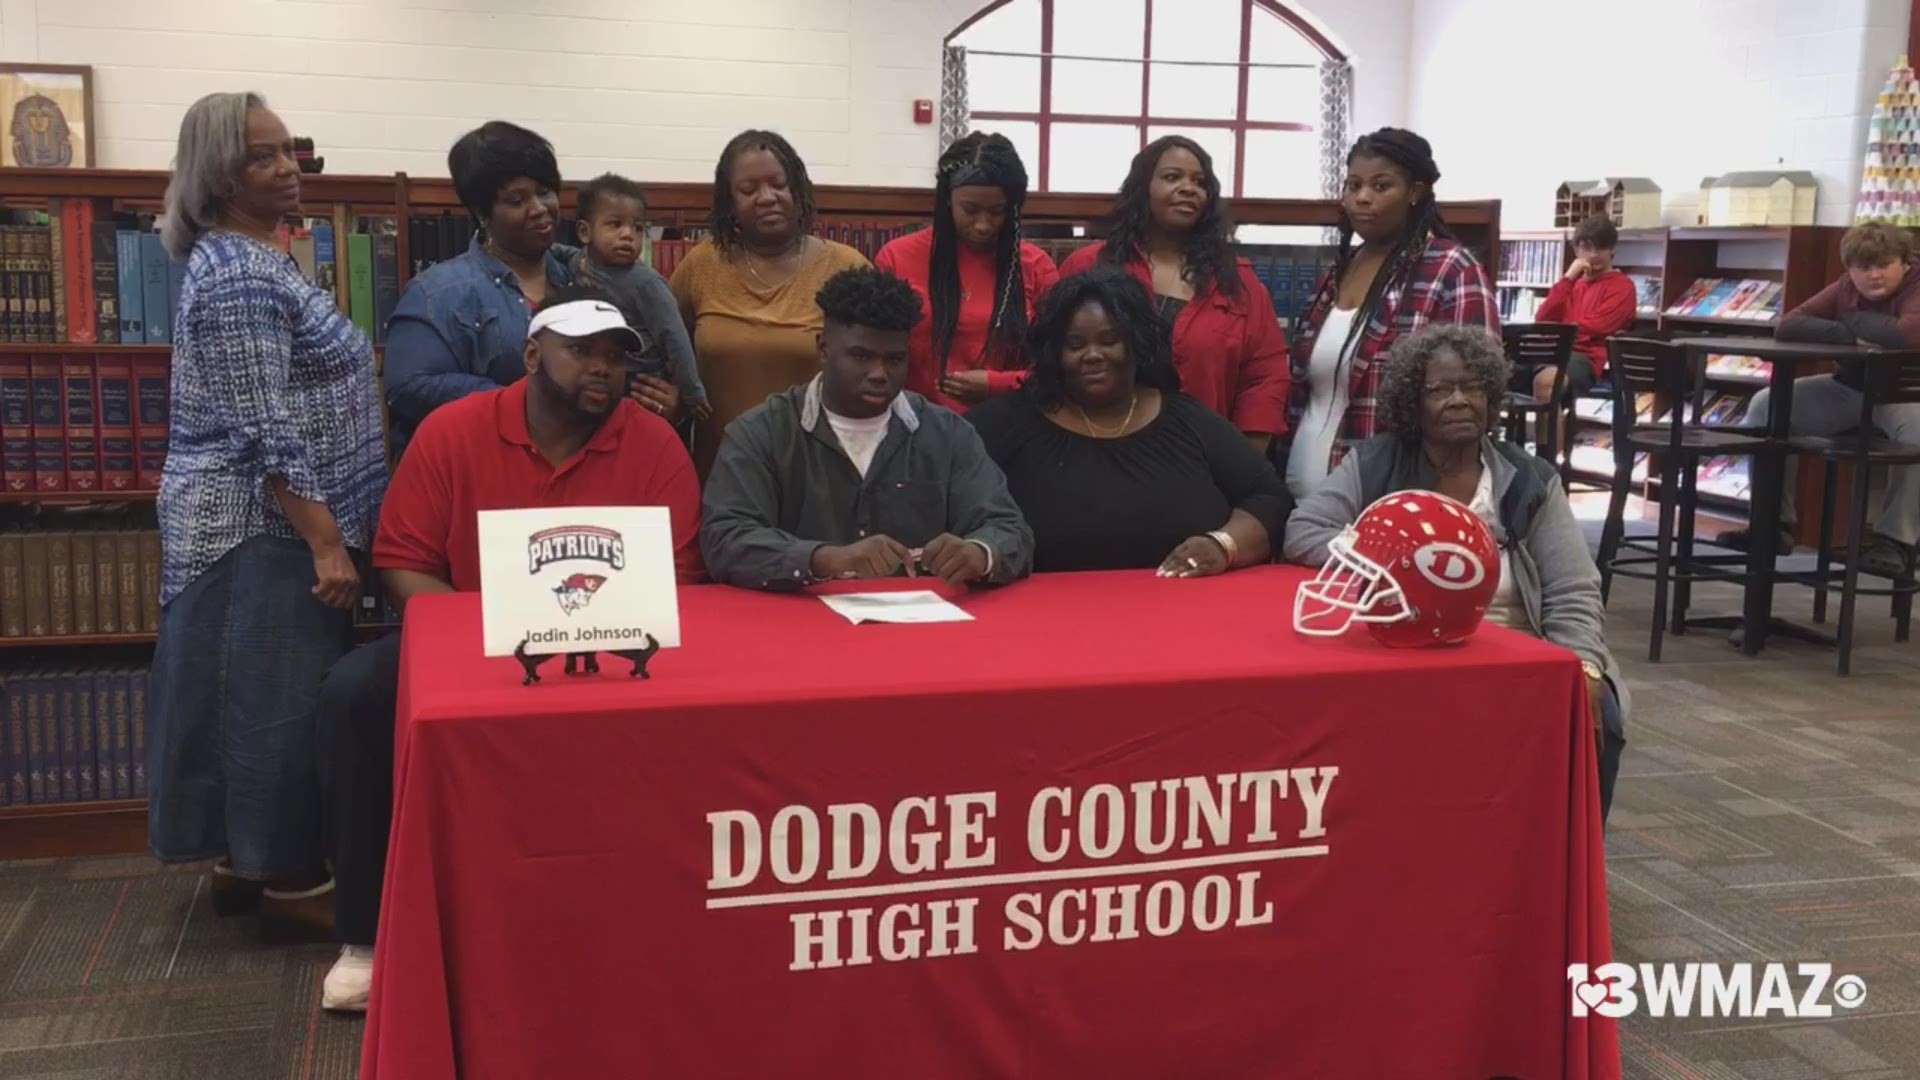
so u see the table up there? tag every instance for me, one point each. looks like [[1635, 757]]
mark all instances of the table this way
[[1769, 468], [1380, 863]]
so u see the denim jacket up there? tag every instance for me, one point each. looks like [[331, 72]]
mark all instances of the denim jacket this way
[[459, 328]]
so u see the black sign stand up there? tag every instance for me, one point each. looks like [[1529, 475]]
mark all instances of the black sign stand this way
[[587, 663]]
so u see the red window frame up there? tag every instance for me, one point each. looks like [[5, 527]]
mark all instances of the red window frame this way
[[1239, 125]]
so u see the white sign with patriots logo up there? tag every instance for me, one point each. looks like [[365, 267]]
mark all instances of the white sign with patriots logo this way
[[577, 579]]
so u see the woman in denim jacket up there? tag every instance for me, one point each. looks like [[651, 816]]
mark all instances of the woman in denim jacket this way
[[461, 327]]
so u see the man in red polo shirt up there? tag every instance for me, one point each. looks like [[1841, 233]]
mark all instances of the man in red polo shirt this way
[[566, 435]]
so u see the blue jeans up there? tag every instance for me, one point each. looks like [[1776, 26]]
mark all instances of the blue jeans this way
[[1613, 739], [230, 740]]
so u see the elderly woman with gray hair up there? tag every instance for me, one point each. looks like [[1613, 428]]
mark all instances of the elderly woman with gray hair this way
[[1437, 402], [274, 475]]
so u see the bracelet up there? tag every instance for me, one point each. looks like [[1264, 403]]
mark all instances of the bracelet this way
[[1226, 542]]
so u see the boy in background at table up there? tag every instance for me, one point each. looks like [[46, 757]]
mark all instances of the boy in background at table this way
[[565, 435], [1598, 300], [613, 212], [852, 475], [1876, 302]]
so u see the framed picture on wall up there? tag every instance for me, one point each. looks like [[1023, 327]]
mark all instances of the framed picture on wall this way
[[48, 110]]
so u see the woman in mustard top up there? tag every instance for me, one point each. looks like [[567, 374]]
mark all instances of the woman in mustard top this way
[[747, 293]]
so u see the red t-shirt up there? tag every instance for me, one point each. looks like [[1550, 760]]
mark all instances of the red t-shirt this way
[[475, 454], [1597, 307], [1230, 350], [910, 258]]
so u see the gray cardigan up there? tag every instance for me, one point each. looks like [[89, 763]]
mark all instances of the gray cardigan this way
[[782, 487], [1554, 575]]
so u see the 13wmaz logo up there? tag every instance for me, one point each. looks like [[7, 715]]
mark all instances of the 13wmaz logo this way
[[1618, 990]]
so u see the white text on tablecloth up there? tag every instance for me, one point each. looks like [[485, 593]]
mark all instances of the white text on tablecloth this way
[[1107, 863]]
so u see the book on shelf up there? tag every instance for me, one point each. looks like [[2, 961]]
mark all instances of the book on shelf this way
[[1727, 477], [1647, 288], [1729, 298], [1518, 305], [1592, 453], [1291, 274], [79, 273], [41, 580], [1534, 263], [1726, 409], [72, 733], [82, 424], [1728, 366]]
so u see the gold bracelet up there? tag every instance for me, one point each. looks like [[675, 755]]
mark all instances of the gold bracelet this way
[[1225, 540]]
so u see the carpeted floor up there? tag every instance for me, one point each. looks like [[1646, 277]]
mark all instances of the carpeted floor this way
[[1767, 810]]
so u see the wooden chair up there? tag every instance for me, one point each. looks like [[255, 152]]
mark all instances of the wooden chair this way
[[1637, 366]]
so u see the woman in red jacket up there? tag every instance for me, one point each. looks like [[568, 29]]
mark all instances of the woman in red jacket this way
[[978, 282], [1170, 231]]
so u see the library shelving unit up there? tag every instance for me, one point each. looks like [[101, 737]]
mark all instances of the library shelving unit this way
[[1529, 265], [394, 203], [1673, 264]]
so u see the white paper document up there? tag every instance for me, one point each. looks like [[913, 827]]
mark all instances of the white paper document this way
[[924, 606]]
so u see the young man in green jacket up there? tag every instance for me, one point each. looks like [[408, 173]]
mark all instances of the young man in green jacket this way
[[852, 476]]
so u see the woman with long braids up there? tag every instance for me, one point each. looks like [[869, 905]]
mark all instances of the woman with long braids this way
[[974, 274], [1407, 273], [1171, 232], [747, 293]]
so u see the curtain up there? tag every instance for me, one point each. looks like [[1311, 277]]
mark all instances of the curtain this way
[[954, 116], [1336, 124], [1336, 129]]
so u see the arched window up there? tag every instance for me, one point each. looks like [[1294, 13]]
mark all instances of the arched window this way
[[1081, 85]]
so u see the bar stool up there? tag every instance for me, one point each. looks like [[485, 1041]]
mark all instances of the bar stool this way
[[1529, 347], [1641, 365], [1896, 383]]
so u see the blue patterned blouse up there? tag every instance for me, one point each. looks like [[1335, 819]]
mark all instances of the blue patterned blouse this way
[[269, 379]]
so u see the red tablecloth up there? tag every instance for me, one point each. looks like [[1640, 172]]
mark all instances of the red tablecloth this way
[[549, 910]]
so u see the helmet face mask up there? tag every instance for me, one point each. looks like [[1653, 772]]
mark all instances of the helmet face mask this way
[[1416, 568], [1349, 589]]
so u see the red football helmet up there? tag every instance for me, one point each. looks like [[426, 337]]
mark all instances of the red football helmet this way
[[1417, 568]]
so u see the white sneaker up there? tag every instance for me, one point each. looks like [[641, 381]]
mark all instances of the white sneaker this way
[[350, 982]]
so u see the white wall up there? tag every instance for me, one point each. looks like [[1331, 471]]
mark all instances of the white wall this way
[[1518, 95], [651, 88]]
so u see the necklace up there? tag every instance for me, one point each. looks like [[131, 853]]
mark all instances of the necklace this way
[[748, 258], [1097, 433]]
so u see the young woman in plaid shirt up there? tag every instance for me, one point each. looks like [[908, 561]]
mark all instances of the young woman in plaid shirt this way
[[1407, 272]]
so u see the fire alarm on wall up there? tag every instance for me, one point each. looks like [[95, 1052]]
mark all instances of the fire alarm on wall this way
[[923, 111]]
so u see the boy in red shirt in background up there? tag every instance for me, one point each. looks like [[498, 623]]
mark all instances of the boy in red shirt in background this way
[[1596, 299]]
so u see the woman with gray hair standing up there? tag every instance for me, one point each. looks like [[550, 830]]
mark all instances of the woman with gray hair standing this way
[[275, 470], [1437, 403]]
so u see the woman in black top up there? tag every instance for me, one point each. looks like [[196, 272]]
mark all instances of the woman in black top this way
[[1112, 465]]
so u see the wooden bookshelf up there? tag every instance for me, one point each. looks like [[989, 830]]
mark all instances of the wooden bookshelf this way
[[83, 347], [68, 830], [75, 641], [1804, 259], [74, 498]]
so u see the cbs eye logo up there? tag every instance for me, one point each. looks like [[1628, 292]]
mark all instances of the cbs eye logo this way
[[1450, 566]]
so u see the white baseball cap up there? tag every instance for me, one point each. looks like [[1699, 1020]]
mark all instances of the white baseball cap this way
[[583, 318]]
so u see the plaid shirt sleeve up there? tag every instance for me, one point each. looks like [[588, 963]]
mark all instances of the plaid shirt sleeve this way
[[1448, 285], [1461, 294]]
